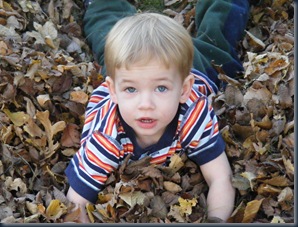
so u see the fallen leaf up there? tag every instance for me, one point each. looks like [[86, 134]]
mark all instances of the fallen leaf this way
[[251, 210]]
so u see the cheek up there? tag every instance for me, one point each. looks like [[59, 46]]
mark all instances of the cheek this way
[[125, 107], [169, 108]]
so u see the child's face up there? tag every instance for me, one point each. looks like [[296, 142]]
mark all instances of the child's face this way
[[148, 97]]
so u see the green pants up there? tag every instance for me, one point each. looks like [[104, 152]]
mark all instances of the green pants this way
[[219, 24]]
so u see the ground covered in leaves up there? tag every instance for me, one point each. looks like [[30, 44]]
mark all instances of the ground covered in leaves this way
[[47, 73]]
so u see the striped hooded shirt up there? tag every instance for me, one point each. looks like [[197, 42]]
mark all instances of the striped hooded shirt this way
[[106, 139]]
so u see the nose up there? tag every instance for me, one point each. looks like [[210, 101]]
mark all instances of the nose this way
[[146, 101]]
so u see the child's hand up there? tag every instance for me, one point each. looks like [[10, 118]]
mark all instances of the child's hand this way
[[79, 202]]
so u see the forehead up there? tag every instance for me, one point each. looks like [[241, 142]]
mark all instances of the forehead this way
[[153, 70]]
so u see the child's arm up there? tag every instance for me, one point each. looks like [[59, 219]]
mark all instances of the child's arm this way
[[221, 195], [79, 201]]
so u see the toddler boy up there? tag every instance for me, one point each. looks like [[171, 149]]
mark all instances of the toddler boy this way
[[154, 98]]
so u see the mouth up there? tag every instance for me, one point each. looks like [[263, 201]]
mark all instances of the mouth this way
[[146, 123], [146, 120]]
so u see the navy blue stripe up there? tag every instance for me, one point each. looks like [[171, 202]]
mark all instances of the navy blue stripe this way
[[80, 187], [103, 150], [211, 153]]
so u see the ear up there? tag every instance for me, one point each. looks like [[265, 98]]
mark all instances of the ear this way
[[186, 88], [111, 87]]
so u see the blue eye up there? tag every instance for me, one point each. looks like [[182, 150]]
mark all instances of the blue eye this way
[[161, 89], [130, 90]]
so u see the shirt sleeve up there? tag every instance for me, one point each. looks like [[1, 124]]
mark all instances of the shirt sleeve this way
[[97, 95], [203, 83], [200, 134], [89, 169]]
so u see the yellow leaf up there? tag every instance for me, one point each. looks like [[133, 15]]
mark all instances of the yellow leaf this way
[[186, 205], [176, 162], [277, 219], [90, 208], [17, 118], [56, 209]]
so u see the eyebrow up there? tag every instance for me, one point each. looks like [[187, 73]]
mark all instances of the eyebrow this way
[[156, 79]]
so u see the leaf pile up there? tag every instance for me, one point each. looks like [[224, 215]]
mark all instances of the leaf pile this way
[[144, 193], [47, 73]]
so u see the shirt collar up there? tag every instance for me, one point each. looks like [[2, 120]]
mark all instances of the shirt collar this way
[[166, 139]]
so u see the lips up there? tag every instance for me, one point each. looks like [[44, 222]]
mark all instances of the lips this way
[[146, 120], [146, 123]]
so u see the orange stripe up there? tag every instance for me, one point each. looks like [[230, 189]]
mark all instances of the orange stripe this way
[[104, 84], [128, 148], [216, 128], [202, 89], [107, 145], [205, 82], [209, 124], [159, 160], [194, 143], [194, 116], [172, 151], [178, 146], [99, 178], [104, 110], [193, 96], [90, 117], [95, 99], [162, 158], [110, 122], [98, 162]]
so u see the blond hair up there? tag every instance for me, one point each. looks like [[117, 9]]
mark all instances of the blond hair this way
[[146, 36]]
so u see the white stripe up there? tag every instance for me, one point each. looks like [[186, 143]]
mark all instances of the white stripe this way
[[82, 178]]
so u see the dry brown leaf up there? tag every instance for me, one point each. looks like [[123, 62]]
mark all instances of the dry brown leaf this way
[[133, 198], [280, 181], [71, 136], [33, 129], [172, 187], [285, 195], [158, 207], [233, 96], [79, 96], [255, 42], [250, 177], [175, 213], [251, 210], [72, 216], [266, 190]]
